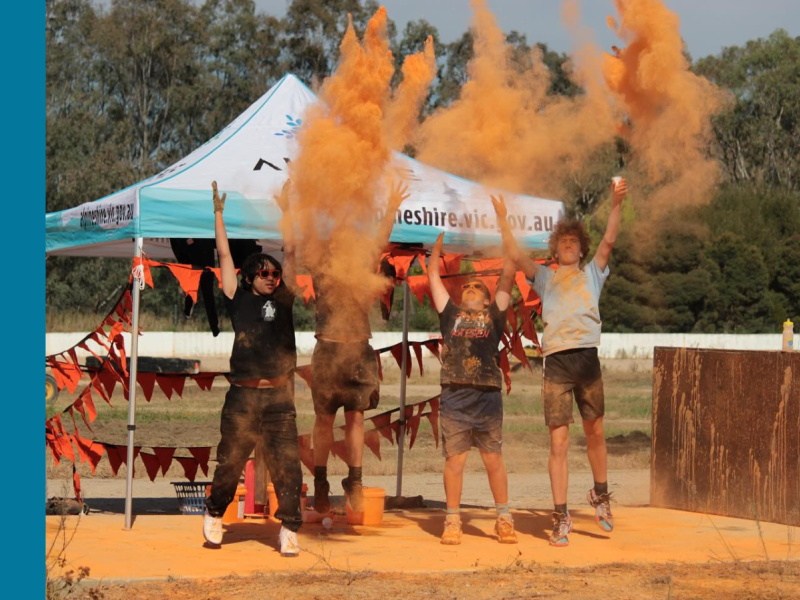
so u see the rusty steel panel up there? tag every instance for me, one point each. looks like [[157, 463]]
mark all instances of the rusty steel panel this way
[[726, 433]]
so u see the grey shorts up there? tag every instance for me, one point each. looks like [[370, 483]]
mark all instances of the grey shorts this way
[[344, 375], [471, 416], [572, 373]]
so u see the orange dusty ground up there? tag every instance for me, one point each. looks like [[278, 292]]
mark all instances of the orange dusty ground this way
[[172, 546]]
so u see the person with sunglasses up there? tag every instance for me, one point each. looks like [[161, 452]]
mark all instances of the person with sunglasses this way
[[471, 408], [260, 402], [571, 315]]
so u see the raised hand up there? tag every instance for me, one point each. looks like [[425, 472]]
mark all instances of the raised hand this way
[[219, 203], [499, 205], [619, 191], [437, 247], [397, 195]]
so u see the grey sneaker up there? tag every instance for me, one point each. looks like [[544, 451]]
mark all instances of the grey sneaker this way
[[562, 525], [602, 509]]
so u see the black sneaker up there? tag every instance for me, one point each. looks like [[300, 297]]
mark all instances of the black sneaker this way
[[354, 493], [321, 490]]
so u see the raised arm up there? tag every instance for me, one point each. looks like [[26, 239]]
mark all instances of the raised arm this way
[[227, 269], [503, 295], [439, 292], [287, 226], [601, 257], [510, 247], [397, 195]]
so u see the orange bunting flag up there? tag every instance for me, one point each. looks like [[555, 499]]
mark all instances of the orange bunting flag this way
[[148, 277], [164, 458], [401, 261], [420, 288], [202, 455], [397, 352], [91, 451], [66, 374], [372, 440], [76, 484], [147, 381], [523, 285], [188, 278], [451, 264], [306, 284], [189, 467], [151, 464]]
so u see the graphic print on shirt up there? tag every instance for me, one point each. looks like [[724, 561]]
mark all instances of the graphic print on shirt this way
[[268, 311], [472, 325]]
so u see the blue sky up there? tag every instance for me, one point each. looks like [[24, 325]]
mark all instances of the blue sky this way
[[706, 25]]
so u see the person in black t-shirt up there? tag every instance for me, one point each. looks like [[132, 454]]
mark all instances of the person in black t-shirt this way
[[260, 402], [472, 403]]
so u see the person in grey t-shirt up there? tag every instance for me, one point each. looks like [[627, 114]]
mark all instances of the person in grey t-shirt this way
[[570, 296]]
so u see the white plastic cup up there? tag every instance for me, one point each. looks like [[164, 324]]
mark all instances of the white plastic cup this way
[[615, 181]]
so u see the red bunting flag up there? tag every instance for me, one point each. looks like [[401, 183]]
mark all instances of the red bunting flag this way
[[519, 352], [433, 418], [397, 352], [202, 455], [339, 450], [381, 423], [372, 440], [76, 484], [85, 346], [417, 346], [151, 464], [113, 457], [188, 278], [420, 287], [451, 263], [147, 381], [433, 347], [395, 427], [189, 467], [505, 367], [412, 427], [164, 458], [170, 383], [204, 380], [123, 453]]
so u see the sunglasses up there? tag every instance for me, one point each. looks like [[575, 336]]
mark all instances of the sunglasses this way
[[474, 286], [264, 273]]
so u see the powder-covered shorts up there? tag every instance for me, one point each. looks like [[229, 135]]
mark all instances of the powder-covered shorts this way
[[471, 416]]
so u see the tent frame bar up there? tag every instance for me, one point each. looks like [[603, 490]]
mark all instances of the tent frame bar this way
[[401, 434]]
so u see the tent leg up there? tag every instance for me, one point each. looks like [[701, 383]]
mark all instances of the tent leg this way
[[132, 370], [401, 434]]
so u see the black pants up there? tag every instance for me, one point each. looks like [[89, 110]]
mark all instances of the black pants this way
[[249, 415]]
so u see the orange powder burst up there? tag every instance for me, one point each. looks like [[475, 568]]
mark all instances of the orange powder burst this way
[[339, 175]]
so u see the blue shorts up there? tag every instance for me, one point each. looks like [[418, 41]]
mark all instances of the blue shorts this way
[[471, 416]]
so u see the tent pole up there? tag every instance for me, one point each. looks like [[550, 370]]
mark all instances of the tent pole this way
[[132, 370], [401, 434]]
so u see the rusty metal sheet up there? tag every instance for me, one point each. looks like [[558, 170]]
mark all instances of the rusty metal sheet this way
[[726, 433]]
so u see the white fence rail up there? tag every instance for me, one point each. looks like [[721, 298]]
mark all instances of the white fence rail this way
[[612, 345]]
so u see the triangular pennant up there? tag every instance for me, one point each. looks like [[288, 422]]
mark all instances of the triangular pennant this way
[[92, 451], [382, 423], [339, 450], [62, 439], [202, 455], [204, 380], [433, 347], [433, 417], [488, 264], [397, 352], [519, 352], [170, 383], [417, 346], [395, 427], [85, 346], [66, 374], [420, 287], [188, 278], [189, 467], [147, 381], [76, 484], [451, 263], [164, 458], [372, 440], [122, 451], [421, 258], [401, 261], [523, 285], [306, 284], [108, 377], [151, 464], [113, 457], [506, 369], [413, 427]]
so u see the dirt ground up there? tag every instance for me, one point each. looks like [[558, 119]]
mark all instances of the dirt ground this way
[[519, 580]]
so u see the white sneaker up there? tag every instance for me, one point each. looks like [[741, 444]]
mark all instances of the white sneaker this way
[[289, 545], [212, 529]]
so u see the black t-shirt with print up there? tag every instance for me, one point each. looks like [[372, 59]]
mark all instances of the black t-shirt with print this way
[[264, 344], [471, 339]]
